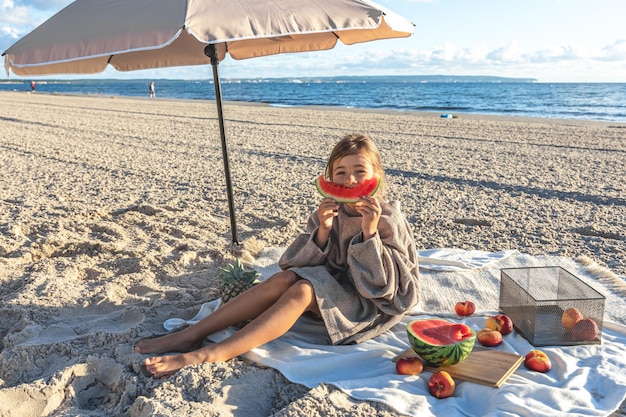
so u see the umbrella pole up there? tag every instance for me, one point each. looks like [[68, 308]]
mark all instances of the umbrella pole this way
[[212, 54]]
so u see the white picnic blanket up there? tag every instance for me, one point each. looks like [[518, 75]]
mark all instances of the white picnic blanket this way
[[585, 380]]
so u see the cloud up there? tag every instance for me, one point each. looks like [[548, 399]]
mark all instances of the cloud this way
[[49, 6], [12, 15], [509, 54], [513, 54], [558, 54], [21, 16], [18, 17], [12, 19], [452, 53], [614, 52]]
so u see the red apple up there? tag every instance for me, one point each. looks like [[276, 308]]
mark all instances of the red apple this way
[[409, 366], [489, 337], [570, 317], [501, 323], [586, 329], [537, 360], [465, 308], [441, 384]]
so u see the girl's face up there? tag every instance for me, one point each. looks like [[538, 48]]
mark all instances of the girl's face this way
[[352, 170]]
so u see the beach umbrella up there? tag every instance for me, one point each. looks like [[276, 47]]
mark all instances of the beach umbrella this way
[[89, 35]]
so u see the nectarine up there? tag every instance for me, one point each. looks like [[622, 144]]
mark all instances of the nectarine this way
[[489, 337], [409, 366], [537, 360], [441, 384], [464, 308], [586, 329], [570, 317], [501, 323]]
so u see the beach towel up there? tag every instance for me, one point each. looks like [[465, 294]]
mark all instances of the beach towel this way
[[585, 380]]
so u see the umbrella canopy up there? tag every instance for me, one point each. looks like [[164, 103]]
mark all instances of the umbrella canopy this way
[[88, 35]]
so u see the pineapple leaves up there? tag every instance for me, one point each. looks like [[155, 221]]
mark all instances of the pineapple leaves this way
[[235, 279]]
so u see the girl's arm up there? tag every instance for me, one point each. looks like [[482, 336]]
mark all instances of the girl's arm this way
[[305, 250]]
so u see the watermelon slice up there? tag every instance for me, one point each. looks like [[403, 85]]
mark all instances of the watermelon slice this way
[[342, 194]]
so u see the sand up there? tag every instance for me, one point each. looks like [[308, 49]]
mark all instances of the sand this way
[[113, 218]]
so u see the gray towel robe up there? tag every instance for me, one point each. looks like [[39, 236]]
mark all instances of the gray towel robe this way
[[362, 288]]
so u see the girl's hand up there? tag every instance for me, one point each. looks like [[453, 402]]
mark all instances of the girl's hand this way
[[369, 208], [326, 212]]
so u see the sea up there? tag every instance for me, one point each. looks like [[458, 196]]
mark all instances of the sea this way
[[446, 96]]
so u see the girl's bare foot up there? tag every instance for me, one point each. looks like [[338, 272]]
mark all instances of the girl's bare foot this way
[[164, 366], [172, 342]]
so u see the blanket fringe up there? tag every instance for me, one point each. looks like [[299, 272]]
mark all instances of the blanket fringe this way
[[249, 250], [603, 274]]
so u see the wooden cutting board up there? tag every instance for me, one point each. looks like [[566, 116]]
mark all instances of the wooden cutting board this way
[[484, 366]]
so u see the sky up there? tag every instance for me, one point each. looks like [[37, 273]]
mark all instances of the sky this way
[[548, 40]]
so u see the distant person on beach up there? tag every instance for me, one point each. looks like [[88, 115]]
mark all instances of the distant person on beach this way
[[355, 269], [32, 86], [152, 91]]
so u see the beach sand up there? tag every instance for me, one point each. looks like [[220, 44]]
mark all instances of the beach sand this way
[[114, 218]]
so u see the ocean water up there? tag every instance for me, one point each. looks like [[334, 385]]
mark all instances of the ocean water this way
[[588, 101]]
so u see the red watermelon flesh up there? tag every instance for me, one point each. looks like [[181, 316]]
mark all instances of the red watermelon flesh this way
[[446, 334], [342, 194]]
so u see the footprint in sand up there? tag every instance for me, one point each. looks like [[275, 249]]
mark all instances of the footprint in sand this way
[[79, 322], [592, 231]]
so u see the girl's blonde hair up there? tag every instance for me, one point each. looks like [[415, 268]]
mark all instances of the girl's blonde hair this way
[[357, 143]]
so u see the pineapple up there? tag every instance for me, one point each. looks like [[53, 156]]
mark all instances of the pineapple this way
[[235, 279]]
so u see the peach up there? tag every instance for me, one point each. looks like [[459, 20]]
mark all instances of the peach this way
[[570, 317], [409, 366], [489, 337], [585, 329], [537, 360], [441, 384], [464, 308], [501, 323]]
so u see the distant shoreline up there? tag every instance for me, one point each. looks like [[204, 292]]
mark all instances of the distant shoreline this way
[[356, 78], [351, 78]]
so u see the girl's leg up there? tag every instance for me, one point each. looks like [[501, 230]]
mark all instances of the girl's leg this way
[[271, 324], [246, 306]]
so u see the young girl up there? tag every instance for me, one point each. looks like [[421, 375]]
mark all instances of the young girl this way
[[355, 269]]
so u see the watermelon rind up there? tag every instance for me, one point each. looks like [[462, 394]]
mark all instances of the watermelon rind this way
[[321, 181], [448, 354]]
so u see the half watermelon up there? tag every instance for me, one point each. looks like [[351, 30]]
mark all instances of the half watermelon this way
[[439, 341], [342, 194]]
